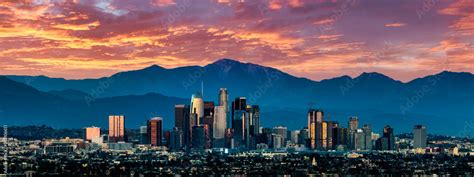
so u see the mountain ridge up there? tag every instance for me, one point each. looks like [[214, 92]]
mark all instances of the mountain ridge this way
[[371, 95]]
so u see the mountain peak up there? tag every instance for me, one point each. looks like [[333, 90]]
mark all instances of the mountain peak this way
[[226, 62], [375, 77], [154, 67]]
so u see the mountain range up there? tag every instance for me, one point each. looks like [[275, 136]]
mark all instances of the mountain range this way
[[443, 102]]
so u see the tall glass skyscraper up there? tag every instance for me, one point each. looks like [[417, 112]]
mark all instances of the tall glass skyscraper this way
[[197, 107], [155, 131], [315, 119], [116, 128], [419, 136]]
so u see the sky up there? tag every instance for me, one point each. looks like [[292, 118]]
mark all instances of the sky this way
[[316, 39]]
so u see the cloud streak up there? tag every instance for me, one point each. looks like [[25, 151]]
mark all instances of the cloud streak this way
[[95, 38]]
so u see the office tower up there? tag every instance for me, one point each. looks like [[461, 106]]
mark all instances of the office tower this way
[[189, 122], [224, 102], [220, 125], [198, 138], [368, 136], [329, 135], [197, 107], [253, 125], [352, 127], [359, 140], [315, 118], [155, 131], [277, 141], [303, 137], [240, 119], [181, 113], [176, 142], [91, 133], [353, 123], [388, 133], [419, 136], [340, 136], [116, 128], [144, 135], [240, 103], [282, 131], [294, 136], [387, 141], [167, 138], [241, 128]]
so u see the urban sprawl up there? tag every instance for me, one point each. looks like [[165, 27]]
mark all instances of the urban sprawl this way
[[203, 143]]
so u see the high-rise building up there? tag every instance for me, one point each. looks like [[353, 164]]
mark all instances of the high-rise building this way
[[303, 137], [388, 133], [144, 135], [181, 113], [240, 126], [220, 125], [240, 122], [352, 127], [282, 131], [116, 128], [368, 136], [359, 140], [340, 136], [387, 141], [353, 123], [315, 119], [254, 125], [419, 136], [198, 139], [197, 107], [294, 136], [277, 141], [155, 131], [176, 139], [91, 133], [224, 102]]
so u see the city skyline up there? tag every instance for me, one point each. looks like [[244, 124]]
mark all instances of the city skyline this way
[[313, 39]]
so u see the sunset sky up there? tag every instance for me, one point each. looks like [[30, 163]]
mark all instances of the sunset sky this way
[[317, 39]]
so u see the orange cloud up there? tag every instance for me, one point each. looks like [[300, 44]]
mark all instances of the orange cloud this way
[[395, 24]]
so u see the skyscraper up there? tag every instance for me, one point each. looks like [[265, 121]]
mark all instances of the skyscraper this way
[[197, 107], [240, 120], [387, 141], [198, 139], [368, 136], [352, 127], [419, 136], [220, 125], [208, 118], [176, 139], [91, 133], [329, 134], [315, 118], [144, 135], [303, 137], [221, 114], [359, 140], [116, 128], [340, 136], [224, 102], [181, 112], [282, 131], [353, 123], [155, 131]]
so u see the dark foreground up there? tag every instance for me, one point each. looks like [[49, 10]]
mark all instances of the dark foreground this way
[[168, 164]]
